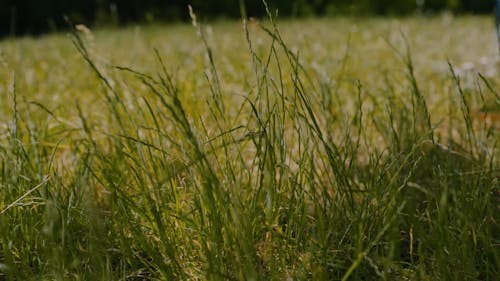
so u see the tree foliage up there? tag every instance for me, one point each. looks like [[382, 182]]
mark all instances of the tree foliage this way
[[37, 16]]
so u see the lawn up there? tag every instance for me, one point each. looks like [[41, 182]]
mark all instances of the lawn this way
[[322, 149]]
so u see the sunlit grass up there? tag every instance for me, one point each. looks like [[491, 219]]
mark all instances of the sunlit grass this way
[[328, 149]]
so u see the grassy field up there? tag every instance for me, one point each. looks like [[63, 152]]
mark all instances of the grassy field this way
[[325, 149]]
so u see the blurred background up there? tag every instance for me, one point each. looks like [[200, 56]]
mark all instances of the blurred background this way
[[21, 17]]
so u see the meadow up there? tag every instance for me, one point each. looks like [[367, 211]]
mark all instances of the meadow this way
[[314, 149]]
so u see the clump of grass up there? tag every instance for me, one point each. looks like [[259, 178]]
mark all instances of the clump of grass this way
[[294, 182]]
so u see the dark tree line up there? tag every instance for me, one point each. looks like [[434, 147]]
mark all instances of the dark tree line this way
[[38, 16]]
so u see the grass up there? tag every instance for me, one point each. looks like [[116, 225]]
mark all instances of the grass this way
[[315, 149]]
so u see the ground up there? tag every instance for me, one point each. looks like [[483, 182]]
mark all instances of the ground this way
[[315, 149]]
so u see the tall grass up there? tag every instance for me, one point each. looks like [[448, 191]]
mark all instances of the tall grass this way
[[296, 181]]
